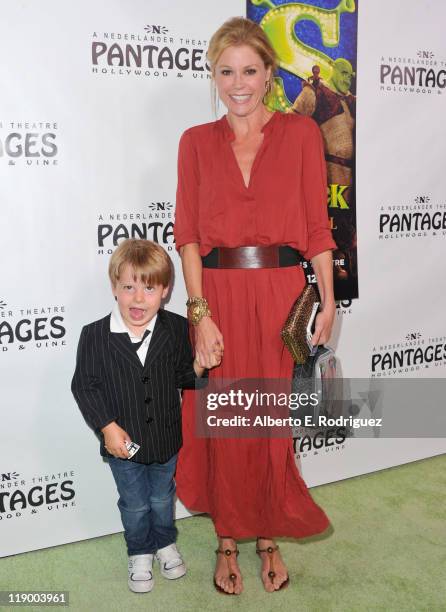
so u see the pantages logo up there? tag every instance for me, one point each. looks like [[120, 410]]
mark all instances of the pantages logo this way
[[411, 355], [154, 222], [420, 219], [152, 52], [31, 327], [40, 493], [28, 143], [318, 441], [421, 74]]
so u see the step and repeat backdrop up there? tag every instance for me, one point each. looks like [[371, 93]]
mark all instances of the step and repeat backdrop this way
[[95, 96]]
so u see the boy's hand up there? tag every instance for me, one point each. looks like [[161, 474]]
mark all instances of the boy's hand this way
[[115, 438]]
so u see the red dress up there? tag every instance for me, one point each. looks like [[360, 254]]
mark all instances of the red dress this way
[[251, 487]]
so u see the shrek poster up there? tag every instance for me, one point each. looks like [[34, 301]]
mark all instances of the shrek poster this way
[[315, 42]]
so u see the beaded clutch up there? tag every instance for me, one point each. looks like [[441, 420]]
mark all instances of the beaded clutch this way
[[294, 332]]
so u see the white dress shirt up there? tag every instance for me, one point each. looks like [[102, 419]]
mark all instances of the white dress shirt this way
[[117, 326]]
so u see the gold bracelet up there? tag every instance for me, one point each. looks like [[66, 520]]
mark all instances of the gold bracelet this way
[[197, 308]]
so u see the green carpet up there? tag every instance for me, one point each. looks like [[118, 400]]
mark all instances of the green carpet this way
[[386, 551]]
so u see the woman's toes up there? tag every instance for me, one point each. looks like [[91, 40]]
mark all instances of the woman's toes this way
[[228, 585], [269, 586], [225, 585], [279, 579]]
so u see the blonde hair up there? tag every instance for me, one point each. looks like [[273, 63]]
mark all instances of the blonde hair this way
[[150, 263], [235, 32]]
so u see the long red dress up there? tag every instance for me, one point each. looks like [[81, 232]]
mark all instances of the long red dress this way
[[251, 487]]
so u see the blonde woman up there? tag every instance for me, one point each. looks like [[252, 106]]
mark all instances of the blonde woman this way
[[251, 195]]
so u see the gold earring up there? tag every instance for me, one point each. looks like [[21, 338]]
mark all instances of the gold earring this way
[[267, 91]]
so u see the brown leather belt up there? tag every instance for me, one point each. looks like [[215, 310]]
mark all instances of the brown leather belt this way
[[251, 257]]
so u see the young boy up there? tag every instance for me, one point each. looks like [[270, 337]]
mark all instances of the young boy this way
[[129, 367]]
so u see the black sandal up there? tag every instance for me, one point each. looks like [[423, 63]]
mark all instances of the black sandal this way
[[272, 574], [227, 552]]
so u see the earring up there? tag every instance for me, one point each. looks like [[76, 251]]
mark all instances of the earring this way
[[267, 90]]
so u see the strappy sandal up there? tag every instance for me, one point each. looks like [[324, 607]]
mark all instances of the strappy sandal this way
[[227, 552], [272, 574]]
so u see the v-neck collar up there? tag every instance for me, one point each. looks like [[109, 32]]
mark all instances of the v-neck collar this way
[[266, 129]]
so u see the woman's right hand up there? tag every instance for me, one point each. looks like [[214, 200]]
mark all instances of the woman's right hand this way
[[208, 343]]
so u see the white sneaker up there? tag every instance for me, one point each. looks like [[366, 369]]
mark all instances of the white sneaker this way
[[140, 573], [171, 564]]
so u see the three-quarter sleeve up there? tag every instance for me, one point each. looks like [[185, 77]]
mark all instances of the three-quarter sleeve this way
[[314, 181], [186, 212]]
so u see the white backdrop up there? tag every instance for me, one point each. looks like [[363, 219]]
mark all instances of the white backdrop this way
[[88, 155]]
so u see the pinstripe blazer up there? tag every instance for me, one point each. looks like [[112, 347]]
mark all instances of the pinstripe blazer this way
[[111, 384]]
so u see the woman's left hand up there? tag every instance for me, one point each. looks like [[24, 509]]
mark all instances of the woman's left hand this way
[[323, 325], [323, 267]]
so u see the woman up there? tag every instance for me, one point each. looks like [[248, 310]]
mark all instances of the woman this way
[[251, 179]]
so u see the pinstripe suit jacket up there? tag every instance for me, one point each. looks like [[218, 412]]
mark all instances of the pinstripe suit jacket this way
[[111, 384]]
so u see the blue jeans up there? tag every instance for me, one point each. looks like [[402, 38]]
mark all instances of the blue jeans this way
[[146, 502]]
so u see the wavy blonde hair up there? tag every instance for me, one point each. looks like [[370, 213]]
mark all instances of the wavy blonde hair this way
[[235, 32]]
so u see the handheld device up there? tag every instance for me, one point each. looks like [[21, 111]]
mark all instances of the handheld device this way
[[133, 448]]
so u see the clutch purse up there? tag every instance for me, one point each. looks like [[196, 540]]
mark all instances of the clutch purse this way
[[297, 326]]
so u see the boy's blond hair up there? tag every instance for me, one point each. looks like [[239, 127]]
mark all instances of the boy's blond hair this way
[[150, 262]]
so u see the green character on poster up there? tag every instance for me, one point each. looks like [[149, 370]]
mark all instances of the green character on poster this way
[[326, 97]]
